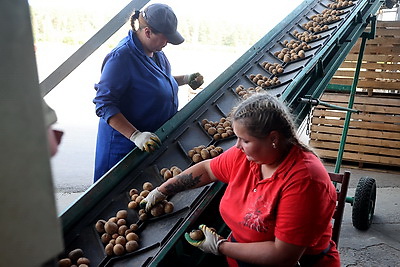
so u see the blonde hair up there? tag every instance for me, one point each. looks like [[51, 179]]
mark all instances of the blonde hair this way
[[262, 113]]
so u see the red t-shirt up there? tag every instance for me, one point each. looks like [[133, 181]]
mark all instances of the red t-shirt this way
[[295, 204]]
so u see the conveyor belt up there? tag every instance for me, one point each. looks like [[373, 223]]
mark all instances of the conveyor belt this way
[[307, 75]]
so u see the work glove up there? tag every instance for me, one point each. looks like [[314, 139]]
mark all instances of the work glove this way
[[145, 141], [210, 243], [154, 197], [194, 80]]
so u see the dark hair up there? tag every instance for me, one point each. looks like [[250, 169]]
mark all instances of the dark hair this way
[[137, 16], [262, 113]]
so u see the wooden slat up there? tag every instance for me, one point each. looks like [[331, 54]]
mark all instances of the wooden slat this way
[[369, 74], [369, 65], [384, 130], [375, 159], [356, 140], [368, 84], [360, 99], [361, 116], [333, 126], [375, 58], [383, 151]]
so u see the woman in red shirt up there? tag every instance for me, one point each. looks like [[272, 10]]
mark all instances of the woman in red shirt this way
[[279, 199]]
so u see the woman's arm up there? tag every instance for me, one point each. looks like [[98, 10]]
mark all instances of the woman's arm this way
[[268, 253], [122, 125], [196, 176], [180, 79]]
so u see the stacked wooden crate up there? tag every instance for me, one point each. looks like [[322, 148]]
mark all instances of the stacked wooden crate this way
[[374, 133]]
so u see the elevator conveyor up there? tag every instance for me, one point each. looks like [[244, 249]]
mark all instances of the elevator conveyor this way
[[305, 75]]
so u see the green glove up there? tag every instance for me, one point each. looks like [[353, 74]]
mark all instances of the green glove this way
[[152, 198], [210, 243], [194, 80]]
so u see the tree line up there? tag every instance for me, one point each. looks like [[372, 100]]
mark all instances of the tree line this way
[[75, 27]]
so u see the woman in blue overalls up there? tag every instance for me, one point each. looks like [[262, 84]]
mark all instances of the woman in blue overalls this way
[[137, 92]]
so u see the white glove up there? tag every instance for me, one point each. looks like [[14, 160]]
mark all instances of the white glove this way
[[210, 243], [145, 141], [152, 198], [194, 80]]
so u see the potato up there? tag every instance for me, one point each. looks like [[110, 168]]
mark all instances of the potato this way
[[100, 226], [118, 249], [213, 153], [191, 153], [120, 240], [143, 217], [139, 199], [205, 154], [144, 193], [133, 191], [134, 227], [122, 229], [157, 210], [196, 235], [176, 171], [122, 214], [131, 246], [105, 238], [197, 158], [168, 207], [162, 171], [121, 222], [148, 186], [212, 130], [109, 249], [83, 260], [75, 254], [134, 196], [111, 227], [66, 262], [168, 174], [133, 205], [132, 236]]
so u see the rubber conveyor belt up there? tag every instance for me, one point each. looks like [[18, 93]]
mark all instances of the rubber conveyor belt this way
[[305, 76]]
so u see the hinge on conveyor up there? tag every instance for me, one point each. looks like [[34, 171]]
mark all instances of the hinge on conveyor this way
[[315, 102]]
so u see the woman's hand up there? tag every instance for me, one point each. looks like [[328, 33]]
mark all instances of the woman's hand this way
[[210, 243]]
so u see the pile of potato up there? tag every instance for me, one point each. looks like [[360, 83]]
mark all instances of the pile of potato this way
[[158, 210], [274, 68], [200, 153], [75, 258], [340, 4], [264, 81], [171, 172], [116, 235], [296, 45], [218, 129], [287, 55], [314, 27], [245, 93], [306, 36]]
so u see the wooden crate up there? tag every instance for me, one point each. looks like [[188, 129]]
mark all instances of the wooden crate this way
[[373, 134], [380, 69]]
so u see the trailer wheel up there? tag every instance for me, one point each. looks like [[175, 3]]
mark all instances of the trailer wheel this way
[[364, 203]]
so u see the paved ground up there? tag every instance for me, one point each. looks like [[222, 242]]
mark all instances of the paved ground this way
[[378, 246]]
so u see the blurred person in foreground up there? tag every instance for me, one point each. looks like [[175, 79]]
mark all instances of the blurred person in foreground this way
[[137, 92], [279, 199]]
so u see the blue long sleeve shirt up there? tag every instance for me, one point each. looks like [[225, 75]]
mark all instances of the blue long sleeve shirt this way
[[141, 88]]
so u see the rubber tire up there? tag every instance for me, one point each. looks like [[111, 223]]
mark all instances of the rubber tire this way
[[364, 203]]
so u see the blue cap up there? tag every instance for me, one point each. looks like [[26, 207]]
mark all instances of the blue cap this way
[[161, 18]]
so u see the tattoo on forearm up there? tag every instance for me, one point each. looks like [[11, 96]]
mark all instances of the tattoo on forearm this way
[[183, 182]]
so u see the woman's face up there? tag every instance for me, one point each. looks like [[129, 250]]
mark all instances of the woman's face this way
[[256, 149], [156, 41]]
